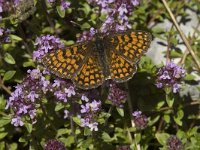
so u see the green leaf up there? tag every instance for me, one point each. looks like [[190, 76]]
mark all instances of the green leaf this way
[[178, 117], [167, 118], [15, 38], [9, 59], [4, 121], [189, 77], [137, 137], [2, 135], [170, 102], [162, 138], [120, 111], [77, 120], [60, 11], [106, 137], [87, 131], [28, 64], [29, 127], [8, 75], [59, 106]]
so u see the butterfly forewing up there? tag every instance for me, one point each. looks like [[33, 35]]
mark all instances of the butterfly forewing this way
[[67, 62], [123, 52], [130, 44], [91, 74]]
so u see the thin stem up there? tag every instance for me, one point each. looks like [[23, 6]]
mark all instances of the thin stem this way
[[132, 122], [182, 34], [109, 111], [4, 87], [72, 122]]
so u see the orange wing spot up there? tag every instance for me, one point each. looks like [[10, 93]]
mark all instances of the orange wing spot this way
[[140, 37], [120, 39], [126, 53], [117, 47], [144, 47], [92, 77], [124, 70], [97, 75], [112, 40], [84, 47], [65, 73], [126, 65], [73, 61], [140, 50], [135, 47], [76, 66], [92, 71], [126, 38], [60, 70], [127, 74], [115, 71], [72, 70], [121, 75], [68, 60], [64, 65], [80, 82], [134, 42], [54, 58], [141, 41], [126, 48], [55, 62], [69, 67], [68, 53], [117, 65], [139, 44], [129, 45], [75, 50], [52, 54], [82, 76], [86, 84], [86, 80], [131, 56], [119, 70], [58, 65], [92, 82], [132, 51]]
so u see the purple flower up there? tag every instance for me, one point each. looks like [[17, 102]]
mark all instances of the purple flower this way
[[54, 145], [61, 96], [116, 95], [84, 98], [66, 114], [64, 4], [17, 121], [23, 100], [86, 35], [170, 76], [95, 106], [85, 108], [70, 91], [93, 126], [140, 120], [46, 44], [174, 143], [4, 35]]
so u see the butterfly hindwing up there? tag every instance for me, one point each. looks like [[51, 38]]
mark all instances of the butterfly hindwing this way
[[91, 74], [66, 63]]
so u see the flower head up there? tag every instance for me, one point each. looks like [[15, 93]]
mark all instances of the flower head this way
[[54, 145], [116, 95], [170, 76], [4, 35], [140, 120], [174, 143], [46, 44]]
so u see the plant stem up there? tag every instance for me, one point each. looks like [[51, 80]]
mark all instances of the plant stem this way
[[182, 34], [4, 87]]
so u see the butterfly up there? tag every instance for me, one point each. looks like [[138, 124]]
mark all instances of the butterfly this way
[[89, 64]]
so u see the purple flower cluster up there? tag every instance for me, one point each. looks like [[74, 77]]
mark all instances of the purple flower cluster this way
[[89, 112], [140, 120], [170, 76], [23, 99], [64, 4], [174, 143], [116, 95], [6, 6], [117, 12], [46, 44], [4, 35], [54, 145], [63, 90]]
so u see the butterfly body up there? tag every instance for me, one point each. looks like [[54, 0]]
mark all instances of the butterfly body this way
[[90, 63]]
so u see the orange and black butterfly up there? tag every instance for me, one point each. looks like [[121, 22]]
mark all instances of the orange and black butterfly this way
[[90, 63]]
